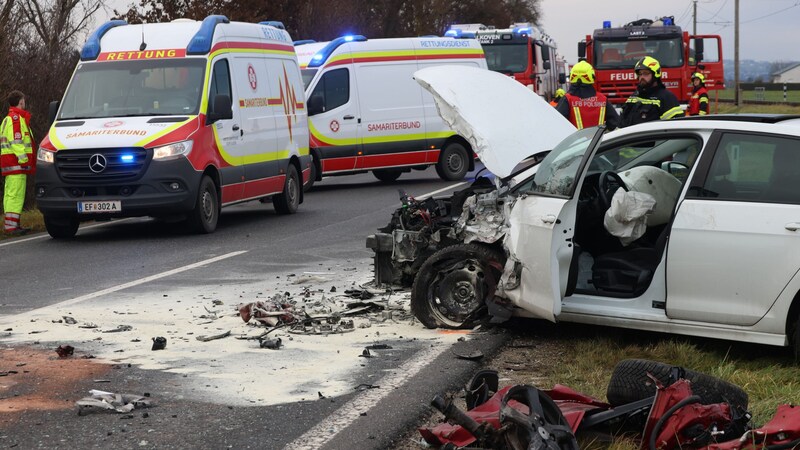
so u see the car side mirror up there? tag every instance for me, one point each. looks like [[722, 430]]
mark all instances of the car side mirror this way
[[221, 109], [315, 105], [52, 110], [546, 65]]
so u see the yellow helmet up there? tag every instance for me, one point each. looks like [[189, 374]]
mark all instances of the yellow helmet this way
[[560, 93], [583, 71], [699, 76], [649, 63]]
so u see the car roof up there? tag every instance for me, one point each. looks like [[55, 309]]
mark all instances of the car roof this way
[[762, 123]]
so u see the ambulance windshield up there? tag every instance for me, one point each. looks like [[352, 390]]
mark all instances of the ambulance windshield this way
[[135, 88]]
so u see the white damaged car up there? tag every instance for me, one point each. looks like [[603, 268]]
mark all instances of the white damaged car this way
[[689, 226]]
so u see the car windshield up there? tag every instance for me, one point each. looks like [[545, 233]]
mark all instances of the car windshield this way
[[624, 54], [556, 174], [506, 58], [135, 88]]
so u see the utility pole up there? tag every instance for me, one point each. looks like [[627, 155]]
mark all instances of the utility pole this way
[[736, 98], [694, 19]]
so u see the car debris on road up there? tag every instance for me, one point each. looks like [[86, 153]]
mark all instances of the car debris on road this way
[[102, 400]]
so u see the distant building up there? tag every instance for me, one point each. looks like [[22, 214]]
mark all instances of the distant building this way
[[789, 74]]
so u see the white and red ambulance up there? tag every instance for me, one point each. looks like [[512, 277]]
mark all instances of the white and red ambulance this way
[[366, 112], [176, 120]]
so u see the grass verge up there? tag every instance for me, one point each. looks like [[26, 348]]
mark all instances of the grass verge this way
[[32, 219]]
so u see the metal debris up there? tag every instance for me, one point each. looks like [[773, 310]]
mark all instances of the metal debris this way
[[119, 329], [159, 343], [323, 325], [272, 344], [69, 320], [212, 337], [102, 400]]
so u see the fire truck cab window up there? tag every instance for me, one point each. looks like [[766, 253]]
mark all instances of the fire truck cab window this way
[[507, 58], [624, 54], [333, 88]]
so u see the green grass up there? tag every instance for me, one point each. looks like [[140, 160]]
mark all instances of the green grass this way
[[30, 219], [769, 96]]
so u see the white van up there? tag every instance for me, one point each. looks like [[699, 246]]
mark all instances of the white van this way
[[366, 112], [176, 120]]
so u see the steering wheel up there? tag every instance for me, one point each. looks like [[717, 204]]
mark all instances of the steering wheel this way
[[606, 189]]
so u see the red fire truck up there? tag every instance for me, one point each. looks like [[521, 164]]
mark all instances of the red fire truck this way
[[522, 51], [614, 51]]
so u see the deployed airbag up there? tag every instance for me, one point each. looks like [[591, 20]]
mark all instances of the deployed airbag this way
[[627, 216]]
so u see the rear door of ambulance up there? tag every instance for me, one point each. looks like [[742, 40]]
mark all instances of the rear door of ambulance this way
[[392, 128], [333, 113]]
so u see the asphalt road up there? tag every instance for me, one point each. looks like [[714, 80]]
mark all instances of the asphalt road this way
[[252, 243]]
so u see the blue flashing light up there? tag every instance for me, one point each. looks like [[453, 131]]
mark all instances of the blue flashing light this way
[[273, 23], [91, 49], [126, 158], [453, 32], [201, 41], [606, 24], [321, 56], [304, 42], [522, 30], [668, 21]]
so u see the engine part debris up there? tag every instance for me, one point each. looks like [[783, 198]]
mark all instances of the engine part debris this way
[[272, 344], [159, 343], [269, 312], [102, 400], [323, 325], [65, 350], [212, 337]]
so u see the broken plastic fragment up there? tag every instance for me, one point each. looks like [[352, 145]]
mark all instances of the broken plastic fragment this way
[[159, 343], [102, 400]]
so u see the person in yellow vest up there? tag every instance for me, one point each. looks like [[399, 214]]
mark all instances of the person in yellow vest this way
[[583, 105], [559, 93], [698, 100], [17, 160]]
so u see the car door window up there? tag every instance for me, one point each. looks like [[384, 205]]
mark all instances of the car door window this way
[[220, 80], [749, 167], [333, 89]]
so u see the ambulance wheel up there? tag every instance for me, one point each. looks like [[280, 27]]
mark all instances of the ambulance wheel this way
[[203, 218], [387, 175], [451, 287], [631, 382], [61, 227], [453, 162], [287, 201]]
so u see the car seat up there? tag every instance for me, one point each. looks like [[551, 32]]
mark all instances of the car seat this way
[[629, 272], [784, 182], [718, 185]]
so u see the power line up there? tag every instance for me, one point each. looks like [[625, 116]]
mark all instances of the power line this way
[[770, 14], [720, 9]]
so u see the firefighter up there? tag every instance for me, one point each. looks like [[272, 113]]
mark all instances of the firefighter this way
[[651, 100], [16, 160], [582, 105], [559, 93], [698, 101]]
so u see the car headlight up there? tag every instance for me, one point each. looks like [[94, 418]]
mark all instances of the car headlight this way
[[172, 150], [45, 155]]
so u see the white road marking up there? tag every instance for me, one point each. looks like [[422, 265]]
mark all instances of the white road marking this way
[[431, 194], [45, 235], [134, 283], [343, 417]]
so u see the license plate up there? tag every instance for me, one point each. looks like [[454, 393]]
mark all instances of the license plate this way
[[99, 207]]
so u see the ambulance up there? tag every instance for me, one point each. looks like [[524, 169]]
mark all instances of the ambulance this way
[[366, 112], [176, 120]]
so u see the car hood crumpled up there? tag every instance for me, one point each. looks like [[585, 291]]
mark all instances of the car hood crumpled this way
[[504, 121]]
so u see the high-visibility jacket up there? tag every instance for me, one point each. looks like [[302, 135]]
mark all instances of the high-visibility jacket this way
[[698, 102], [587, 112], [16, 144]]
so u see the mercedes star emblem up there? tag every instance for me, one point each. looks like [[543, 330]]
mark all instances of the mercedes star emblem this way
[[97, 163]]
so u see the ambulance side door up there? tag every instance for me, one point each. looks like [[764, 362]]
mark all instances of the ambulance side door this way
[[257, 102], [227, 132], [334, 116]]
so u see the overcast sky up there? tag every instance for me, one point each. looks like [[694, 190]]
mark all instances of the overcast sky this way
[[768, 28]]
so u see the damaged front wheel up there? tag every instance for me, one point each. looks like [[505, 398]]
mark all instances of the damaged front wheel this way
[[452, 286]]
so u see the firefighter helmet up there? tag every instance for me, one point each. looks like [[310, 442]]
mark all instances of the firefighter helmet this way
[[649, 63], [583, 71], [699, 76], [560, 93]]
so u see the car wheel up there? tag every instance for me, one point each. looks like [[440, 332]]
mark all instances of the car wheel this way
[[61, 227], [453, 162], [203, 218], [287, 201], [452, 286], [630, 382], [312, 176], [387, 175]]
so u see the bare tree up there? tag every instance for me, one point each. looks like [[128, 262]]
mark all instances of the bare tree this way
[[58, 23]]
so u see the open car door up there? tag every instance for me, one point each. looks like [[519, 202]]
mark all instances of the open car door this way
[[542, 225]]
